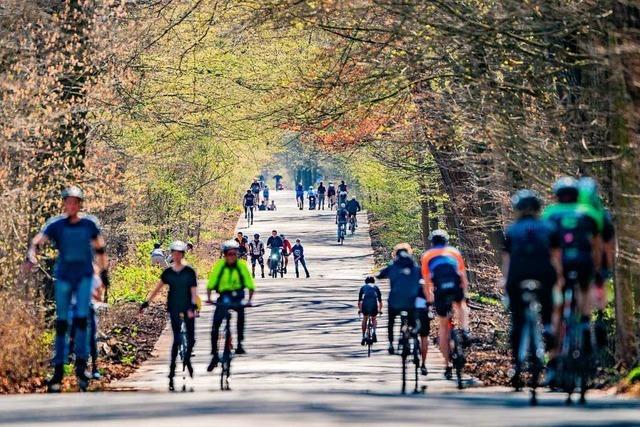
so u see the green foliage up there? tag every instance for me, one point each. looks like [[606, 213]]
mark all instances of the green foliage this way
[[132, 283], [634, 376]]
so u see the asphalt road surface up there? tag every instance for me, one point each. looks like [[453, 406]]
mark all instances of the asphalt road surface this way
[[305, 365]]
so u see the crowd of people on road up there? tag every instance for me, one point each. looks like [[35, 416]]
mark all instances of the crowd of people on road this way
[[566, 250]]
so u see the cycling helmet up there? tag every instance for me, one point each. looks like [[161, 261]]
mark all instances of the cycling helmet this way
[[438, 237], [229, 245], [282, 235], [370, 279], [343, 205], [566, 188], [178, 246], [257, 236], [311, 187], [73, 191], [526, 200]]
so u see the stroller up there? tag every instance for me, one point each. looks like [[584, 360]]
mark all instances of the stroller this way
[[312, 203]]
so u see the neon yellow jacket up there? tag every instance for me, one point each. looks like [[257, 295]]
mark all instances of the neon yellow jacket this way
[[223, 278]]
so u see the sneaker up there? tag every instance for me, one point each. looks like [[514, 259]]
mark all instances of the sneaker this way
[[374, 338], [240, 350], [391, 349], [424, 371], [516, 382], [363, 342], [297, 276], [81, 374], [448, 372], [308, 276], [263, 274], [214, 362], [171, 385]]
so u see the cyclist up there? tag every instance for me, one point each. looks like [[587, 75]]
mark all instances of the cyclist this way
[[342, 197], [580, 227], [157, 256], [255, 189], [353, 207], [531, 252], [298, 257], [275, 243], [78, 239], [243, 245], [369, 304], [331, 194], [404, 279], [445, 282], [278, 178], [256, 249], [181, 304], [322, 190], [249, 201], [300, 195], [265, 194], [341, 220], [342, 187], [286, 251], [229, 277]]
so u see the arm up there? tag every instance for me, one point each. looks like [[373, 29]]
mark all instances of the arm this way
[[152, 295], [38, 240], [360, 300], [427, 284], [379, 298]]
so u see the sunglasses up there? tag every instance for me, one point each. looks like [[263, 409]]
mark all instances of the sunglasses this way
[[231, 253]]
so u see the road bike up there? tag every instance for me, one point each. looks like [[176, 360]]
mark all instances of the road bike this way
[[531, 347], [409, 345], [341, 232], [368, 335], [576, 360], [352, 224], [456, 349], [182, 352]]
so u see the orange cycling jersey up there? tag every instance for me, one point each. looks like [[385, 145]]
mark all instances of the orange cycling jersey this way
[[443, 251]]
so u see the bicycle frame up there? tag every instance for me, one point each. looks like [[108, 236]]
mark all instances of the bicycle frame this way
[[531, 346], [227, 353], [408, 344]]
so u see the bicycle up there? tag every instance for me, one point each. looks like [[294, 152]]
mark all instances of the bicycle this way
[[408, 345], [276, 264], [531, 346], [456, 350], [341, 232], [575, 364], [182, 351], [352, 224], [368, 336], [300, 202], [227, 352]]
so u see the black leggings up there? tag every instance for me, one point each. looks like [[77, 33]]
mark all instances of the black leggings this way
[[392, 319], [176, 323], [219, 316]]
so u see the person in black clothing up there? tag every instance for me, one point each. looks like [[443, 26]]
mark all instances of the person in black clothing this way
[[276, 244], [248, 201], [255, 189], [298, 257], [331, 195], [243, 243], [342, 187], [181, 304], [369, 304], [353, 207], [322, 190], [404, 278]]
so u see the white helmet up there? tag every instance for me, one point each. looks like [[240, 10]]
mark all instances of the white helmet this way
[[228, 245], [342, 205], [178, 246], [73, 191]]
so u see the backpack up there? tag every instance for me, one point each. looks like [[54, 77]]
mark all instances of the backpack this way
[[369, 293]]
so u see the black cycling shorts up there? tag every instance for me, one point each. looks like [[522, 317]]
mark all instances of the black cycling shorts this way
[[582, 274], [370, 308], [445, 298], [422, 315], [257, 258]]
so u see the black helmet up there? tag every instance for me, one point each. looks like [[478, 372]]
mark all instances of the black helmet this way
[[438, 237], [566, 189], [526, 200], [370, 279], [257, 236]]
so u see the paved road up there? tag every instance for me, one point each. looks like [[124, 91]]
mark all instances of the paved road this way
[[305, 364]]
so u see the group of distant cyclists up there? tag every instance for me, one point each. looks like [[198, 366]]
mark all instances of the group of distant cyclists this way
[[257, 198], [566, 250]]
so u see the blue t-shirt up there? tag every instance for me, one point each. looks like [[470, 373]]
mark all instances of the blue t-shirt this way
[[404, 279], [73, 242]]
